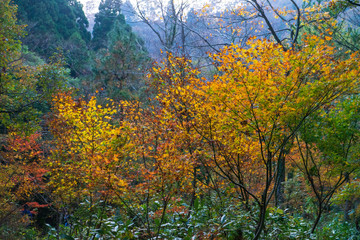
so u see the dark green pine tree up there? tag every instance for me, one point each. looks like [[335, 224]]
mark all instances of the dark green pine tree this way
[[120, 67], [50, 22], [53, 24], [109, 12], [81, 19]]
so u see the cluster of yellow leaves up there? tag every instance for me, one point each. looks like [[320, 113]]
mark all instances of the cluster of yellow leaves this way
[[88, 149], [264, 94], [270, 84]]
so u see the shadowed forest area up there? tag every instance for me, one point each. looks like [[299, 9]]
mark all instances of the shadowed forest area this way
[[179, 120]]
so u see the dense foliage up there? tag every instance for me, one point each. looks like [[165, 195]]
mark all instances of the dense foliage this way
[[53, 24], [261, 144], [109, 13]]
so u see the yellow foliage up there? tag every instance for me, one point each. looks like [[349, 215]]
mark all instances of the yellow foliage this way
[[88, 149]]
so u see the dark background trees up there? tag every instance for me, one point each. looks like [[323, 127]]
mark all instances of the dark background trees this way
[[56, 23], [109, 12]]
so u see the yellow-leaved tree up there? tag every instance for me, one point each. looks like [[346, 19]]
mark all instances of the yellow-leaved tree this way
[[88, 150]]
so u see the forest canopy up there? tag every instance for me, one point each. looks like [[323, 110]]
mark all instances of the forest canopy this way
[[241, 123]]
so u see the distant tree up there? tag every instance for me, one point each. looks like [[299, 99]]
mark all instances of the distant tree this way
[[130, 13], [60, 18], [120, 68], [81, 19], [167, 23], [77, 55], [109, 12]]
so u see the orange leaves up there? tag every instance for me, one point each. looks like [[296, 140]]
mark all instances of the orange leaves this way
[[21, 174], [240, 121], [165, 158], [25, 149]]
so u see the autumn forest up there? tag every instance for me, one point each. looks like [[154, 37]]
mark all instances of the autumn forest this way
[[162, 120]]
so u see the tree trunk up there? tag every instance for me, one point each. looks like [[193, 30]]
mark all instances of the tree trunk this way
[[348, 204], [280, 180], [261, 222], [317, 219]]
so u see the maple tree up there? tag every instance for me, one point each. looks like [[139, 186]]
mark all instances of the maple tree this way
[[266, 96], [165, 146], [247, 117], [88, 149], [21, 177]]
